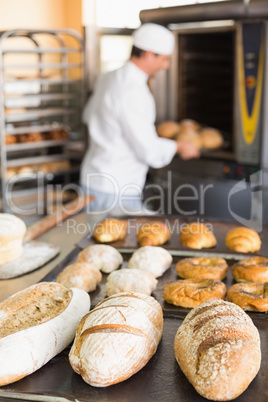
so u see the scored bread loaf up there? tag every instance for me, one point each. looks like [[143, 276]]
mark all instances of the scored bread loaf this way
[[36, 324], [218, 349], [117, 338], [12, 232]]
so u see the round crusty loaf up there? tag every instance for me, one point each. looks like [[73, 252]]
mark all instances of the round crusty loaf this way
[[36, 324], [12, 231], [168, 129], [117, 338], [211, 138], [218, 349]]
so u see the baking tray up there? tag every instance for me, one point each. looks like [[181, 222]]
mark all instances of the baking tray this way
[[160, 380]]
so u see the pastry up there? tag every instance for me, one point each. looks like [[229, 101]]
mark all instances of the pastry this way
[[249, 296], [153, 233], [243, 240], [197, 235], [190, 293], [202, 268], [251, 269], [110, 229]]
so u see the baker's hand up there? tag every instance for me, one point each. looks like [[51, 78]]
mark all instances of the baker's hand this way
[[187, 150]]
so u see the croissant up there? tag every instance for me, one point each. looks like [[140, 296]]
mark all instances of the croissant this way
[[243, 240], [153, 234], [110, 229], [197, 235]]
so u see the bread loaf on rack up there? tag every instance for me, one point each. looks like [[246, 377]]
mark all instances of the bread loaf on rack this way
[[35, 325], [218, 349], [117, 338]]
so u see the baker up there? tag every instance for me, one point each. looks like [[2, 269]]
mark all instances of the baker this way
[[120, 116]]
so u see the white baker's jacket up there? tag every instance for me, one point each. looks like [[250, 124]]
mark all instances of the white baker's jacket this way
[[120, 116]]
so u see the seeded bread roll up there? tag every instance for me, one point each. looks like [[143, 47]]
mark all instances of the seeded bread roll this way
[[12, 232], [35, 325], [117, 338], [218, 349]]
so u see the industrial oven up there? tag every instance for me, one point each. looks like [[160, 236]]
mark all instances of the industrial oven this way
[[219, 77]]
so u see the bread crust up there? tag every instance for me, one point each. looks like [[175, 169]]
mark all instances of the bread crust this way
[[168, 129], [190, 293], [117, 338], [34, 333], [130, 280], [211, 138], [154, 233], [12, 232], [251, 269], [80, 275], [218, 349], [104, 257], [110, 230], [249, 296], [197, 235], [243, 240], [151, 258], [202, 268]]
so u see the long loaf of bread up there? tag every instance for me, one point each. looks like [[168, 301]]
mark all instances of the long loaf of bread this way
[[218, 349], [117, 338], [35, 325]]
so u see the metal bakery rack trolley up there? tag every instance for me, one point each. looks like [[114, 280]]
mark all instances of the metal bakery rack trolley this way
[[42, 92]]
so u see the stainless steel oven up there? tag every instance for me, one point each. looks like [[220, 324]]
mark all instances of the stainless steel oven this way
[[219, 77]]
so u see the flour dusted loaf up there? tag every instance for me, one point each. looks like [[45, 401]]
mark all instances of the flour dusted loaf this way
[[117, 338], [104, 257], [80, 275], [150, 258], [12, 232], [130, 280], [218, 349], [35, 325]]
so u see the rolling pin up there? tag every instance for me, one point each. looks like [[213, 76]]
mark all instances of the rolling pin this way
[[49, 221]]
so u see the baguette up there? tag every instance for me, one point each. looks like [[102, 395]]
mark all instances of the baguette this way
[[117, 338], [218, 349], [36, 324]]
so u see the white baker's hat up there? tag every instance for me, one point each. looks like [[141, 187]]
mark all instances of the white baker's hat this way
[[155, 38]]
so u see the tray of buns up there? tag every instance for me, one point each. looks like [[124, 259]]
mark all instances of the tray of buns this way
[[161, 378]]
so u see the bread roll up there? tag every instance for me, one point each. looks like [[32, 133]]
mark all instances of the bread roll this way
[[218, 349], [153, 259], [80, 275], [168, 129], [153, 233], [191, 292], [105, 258], [110, 229], [189, 124], [249, 296], [243, 240], [117, 338], [202, 268], [35, 325], [211, 138], [197, 235], [130, 280], [191, 136], [251, 269], [12, 232]]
